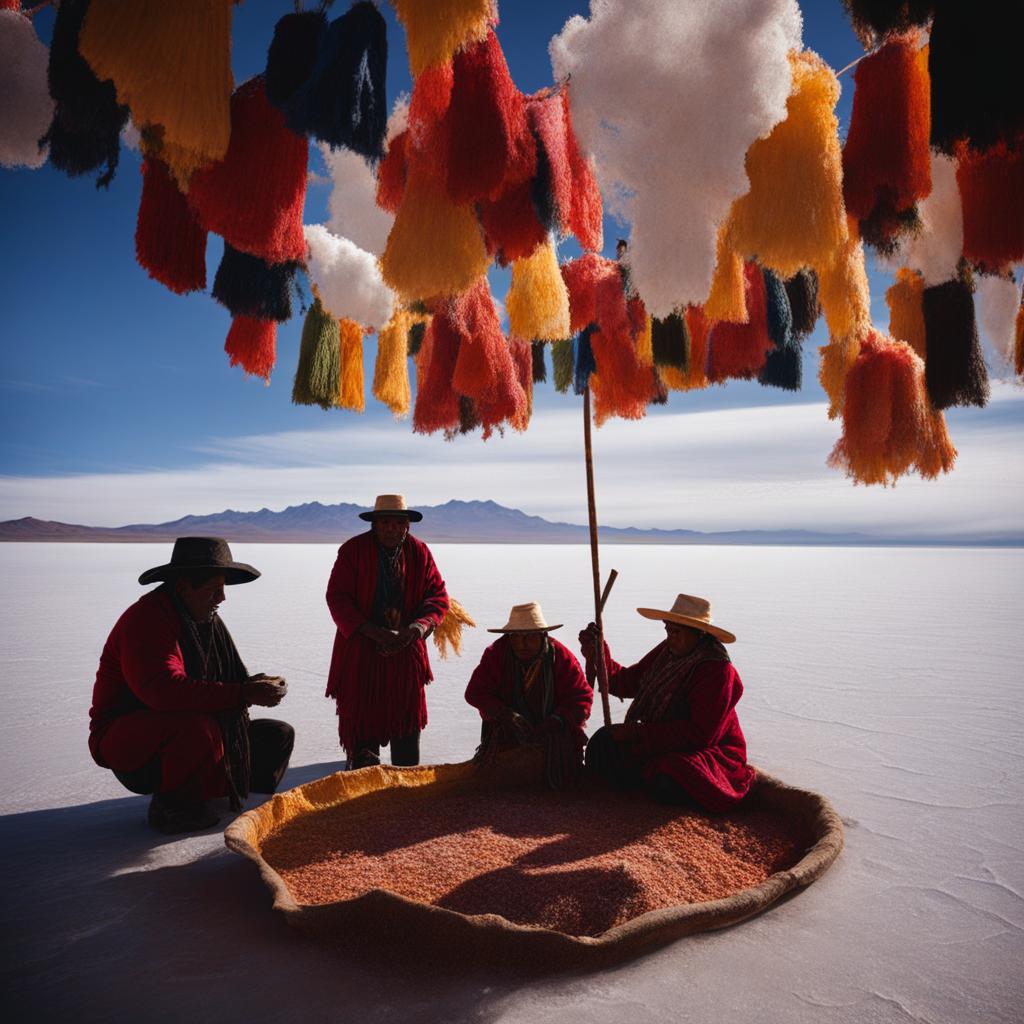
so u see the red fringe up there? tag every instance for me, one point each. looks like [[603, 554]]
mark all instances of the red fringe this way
[[740, 350], [431, 97], [586, 213], [699, 329], [251, 344], [510, 223], [522, 358], [546, 114], [170, 243], [582, 276], [625, 385], [437, 402], [992, 193], [254, 197], [391, 174]]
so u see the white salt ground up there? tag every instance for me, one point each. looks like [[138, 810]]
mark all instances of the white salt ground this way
[[889, 680]]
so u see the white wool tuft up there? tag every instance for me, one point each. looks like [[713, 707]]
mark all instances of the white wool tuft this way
[[26, 108], [352, 206], [997, 300], [399, 119], [348, 278], [668, 97]]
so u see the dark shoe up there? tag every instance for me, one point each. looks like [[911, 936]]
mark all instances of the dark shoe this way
[[171, 820], [364, 759]]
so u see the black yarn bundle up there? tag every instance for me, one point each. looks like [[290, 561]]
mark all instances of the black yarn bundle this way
[[782, 367], [292, 55], [583, 359], [249, 286], [670, 341], [87, 120], [954, 369], [343, 102], [873, 20], [416, 335], [538, 367], [802, 292]]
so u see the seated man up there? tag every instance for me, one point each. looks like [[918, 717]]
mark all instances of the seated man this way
[[529, 688], [681, 738], [169, 703]]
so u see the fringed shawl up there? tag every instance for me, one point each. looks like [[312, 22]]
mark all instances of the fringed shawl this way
[[668, 678]]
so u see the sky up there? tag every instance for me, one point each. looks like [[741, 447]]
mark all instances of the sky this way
[[117, 403]]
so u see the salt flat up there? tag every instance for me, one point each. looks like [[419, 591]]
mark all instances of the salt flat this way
[[887, 679]]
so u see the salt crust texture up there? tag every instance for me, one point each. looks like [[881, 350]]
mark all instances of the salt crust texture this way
[[710, 80], [26, 108]]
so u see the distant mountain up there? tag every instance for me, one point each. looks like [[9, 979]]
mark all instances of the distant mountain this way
[[460, 522]]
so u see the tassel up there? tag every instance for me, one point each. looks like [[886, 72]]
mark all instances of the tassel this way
[[292, 55], [793, 215], [391, 174], [253, 198], [87, 121], [563, 361], [545, 112], [992, 191], [726, 302], [490, 142], [835, 360], [343, 102], [148, 50], [26, 108], [448, 632], [782, 367], [586, 212], [348, 278], [694, 376], [906, 310], [670, 342], [538, 370], [437, 404], [581, 278], [170, 244], [391, 371], [886, 161], [431, 97], [469, 419], [622, 385], [522, 359], [416, 335], [583, 360], [318, 375], [873, 20], [739, 350], [435, 32], [511, 225], [252, 344], [802, 292], [351, 394], [955, 371], [844, 293], [537, 301], [248, 286]]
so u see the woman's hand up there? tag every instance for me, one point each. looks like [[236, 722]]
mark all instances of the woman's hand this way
[[588, 640], [266, 691]]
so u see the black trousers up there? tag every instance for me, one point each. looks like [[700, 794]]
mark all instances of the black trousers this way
[[405, 752], [270, 747], [604, 757]]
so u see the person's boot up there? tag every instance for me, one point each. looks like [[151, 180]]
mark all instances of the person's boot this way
[[182, 810]]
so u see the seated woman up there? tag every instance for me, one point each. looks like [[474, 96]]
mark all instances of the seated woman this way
[[681, 738], [529, 688]]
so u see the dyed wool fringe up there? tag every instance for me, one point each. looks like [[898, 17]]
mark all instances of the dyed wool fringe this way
[[844, 292], [170, 243], [318, 375], [292, 55], [726, 302], [905, 300], [802, 292], [835, 361], [739, 350], [448, 633], [391, 371], [415, 337], [582, 277], [955, 371], [511, 225], [249, 286], [538, 369], [435, 32], [87, 121], [554, 182], [343, 102], [585, 218], [148, 50], [622, 384], [886, 161], [538, 301], [992, 192], [391, 173], [522, 359], [670, 342], [431, 97], [254, 197], [26, 108], [888, 427], [252, 344], [873, 20], [782, 367], [694, 377], [563, 364], [583, 360], [437, 403], [352, 392]]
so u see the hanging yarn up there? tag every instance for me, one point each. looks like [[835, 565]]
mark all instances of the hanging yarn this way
[[1018, 346], [782, 367], [292, 55], [435, 32], [739, 350], [694, 377], [834, 363], [726, 302], [538, 301], [844, 292], [252, 344], [253, 198], [511, 225], [348, 279], [997, 299], [621, 385], [448, 632], [318, 375], [489, 138], [170, 243], [431, 97], [545, 112], [437, 403], [249, 286], [886, 161], [522, 359], [888, 427], [148, 50], [26, 108], [793, 215], [581, 278], [343, 101], [391, 174], [351, 393], [991, 186], [955, 371], [802, 292], [391, 371], [538, 368], [585, 218], [670, 342], [583, 360], [562, 364], [974, 63], [873, 20], [906, 310], [415, 337], [469, 419], [87, 120]]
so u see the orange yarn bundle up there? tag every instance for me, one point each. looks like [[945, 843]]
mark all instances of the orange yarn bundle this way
[[436, 31], [694, 377], [437, 403], [391, 370], [391, 172], [906, 310], [726, 302], [835, 361], [538, 301], [351, 336], [252, 344], [431, 96], [843, 290], [740, 350], [991, 185]]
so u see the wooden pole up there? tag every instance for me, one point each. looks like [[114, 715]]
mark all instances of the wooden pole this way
[[602, 668]]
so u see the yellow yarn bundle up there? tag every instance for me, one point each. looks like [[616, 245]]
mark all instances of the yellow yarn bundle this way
[[352, 396], [436, 31], [538, 301], [448, 632], [391, 371], [726, 302]]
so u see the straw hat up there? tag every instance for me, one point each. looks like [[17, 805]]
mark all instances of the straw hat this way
[[690, 611], [194, 554], [391, 505], [526, 618]]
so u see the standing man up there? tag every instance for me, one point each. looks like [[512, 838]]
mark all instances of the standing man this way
[[385, 596]]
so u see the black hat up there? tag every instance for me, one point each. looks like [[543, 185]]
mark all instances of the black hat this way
[[194, 554]]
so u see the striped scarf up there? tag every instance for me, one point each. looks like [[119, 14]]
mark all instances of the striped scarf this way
[[669, 676]]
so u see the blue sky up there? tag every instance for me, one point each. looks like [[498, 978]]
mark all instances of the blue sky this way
[[118, 403]]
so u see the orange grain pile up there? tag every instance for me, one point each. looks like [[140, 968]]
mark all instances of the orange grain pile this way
[[579, 863]]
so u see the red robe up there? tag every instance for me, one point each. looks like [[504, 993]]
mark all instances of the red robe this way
[[699, 743], [490, 686], [380, 698]]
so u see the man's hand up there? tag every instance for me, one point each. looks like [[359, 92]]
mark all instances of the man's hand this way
[[588, 641], [385, 639], [515, 724], [407, 635], [266, 691]]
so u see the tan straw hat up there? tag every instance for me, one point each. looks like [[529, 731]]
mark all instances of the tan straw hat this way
[[391, 505], [690, 611], [526, 618]]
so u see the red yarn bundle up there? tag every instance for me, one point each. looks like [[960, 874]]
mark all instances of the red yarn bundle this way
[[546, 114], [437, 402], [622, 385], [740, 350], [253, 198], [391, 173], [511, 226], [991, 186], [252, 344], [431, 96], [582, 277], [170, 243], [586, 214], [522, 359]]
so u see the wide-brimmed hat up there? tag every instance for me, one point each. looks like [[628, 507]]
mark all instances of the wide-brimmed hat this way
[[391, 505], [526, 618], [690, 611], [194, 554]]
